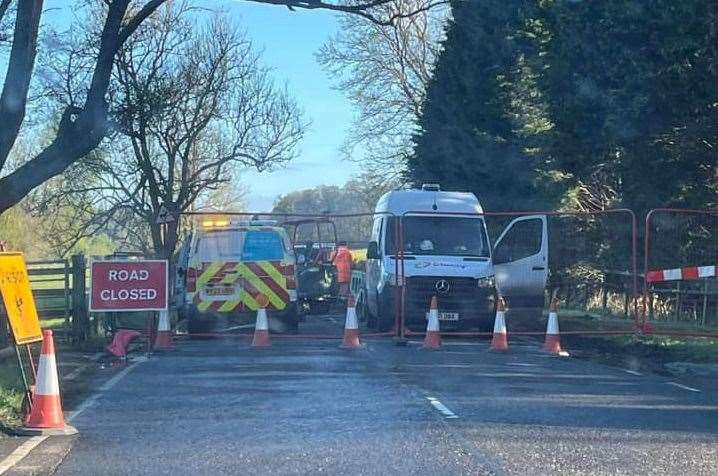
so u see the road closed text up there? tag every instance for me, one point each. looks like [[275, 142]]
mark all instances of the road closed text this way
[[129, 285], [128, 294], [128, 275]]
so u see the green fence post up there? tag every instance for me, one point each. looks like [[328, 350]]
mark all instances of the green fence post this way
[[68, 310], [80, 317]]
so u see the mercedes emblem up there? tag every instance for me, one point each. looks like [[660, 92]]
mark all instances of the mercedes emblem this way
[[442, 286]]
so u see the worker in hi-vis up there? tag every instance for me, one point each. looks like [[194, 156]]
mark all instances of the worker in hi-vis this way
[[342, 259]]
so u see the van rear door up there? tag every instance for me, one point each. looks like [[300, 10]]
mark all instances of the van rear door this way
[[521, 261]]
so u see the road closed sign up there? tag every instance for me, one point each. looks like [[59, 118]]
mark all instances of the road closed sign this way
[[128, 285]]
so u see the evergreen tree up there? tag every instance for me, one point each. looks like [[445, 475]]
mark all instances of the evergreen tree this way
[[633, 94], [483, 119], [588, 105]]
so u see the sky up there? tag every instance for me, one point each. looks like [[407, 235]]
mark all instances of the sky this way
[[288, 41]]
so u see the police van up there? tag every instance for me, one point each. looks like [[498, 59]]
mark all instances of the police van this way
[[447, 254], [229, 268]]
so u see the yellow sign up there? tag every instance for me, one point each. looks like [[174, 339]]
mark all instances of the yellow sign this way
[[17, 296]]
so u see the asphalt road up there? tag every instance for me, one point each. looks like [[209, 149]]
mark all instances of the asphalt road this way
[[308, 407]]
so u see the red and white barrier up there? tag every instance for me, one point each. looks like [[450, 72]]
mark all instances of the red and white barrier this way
[[681, 274]]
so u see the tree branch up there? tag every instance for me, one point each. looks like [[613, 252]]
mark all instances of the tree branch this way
[[82, 130], [137, 19], [4, 5], [363, 9], [19, 73]]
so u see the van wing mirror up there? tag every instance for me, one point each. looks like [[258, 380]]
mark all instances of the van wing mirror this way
[[372, 250]]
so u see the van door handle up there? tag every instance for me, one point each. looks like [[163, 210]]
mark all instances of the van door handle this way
[[538, 268]]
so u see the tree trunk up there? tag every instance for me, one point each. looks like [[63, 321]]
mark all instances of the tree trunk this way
[[70, 145], [80, 130], [19, 73], [164, 239]]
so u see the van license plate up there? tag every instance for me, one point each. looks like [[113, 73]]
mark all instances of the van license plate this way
[[223, 291], [448, 316]]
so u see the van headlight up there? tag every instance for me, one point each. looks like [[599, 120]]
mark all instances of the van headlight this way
[[487, 282]]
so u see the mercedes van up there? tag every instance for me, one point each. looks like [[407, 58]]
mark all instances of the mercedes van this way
[[447, 253]]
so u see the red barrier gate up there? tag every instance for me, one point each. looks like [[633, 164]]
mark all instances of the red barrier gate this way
[[591, 264], [269, 275], [590, 252], [680, 267]]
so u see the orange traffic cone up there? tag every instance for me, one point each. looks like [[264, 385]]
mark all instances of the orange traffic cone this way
[[46, 417], [351, 327], [498, 341], [261, 327], [553, 339], [433, 335], [164, 332]]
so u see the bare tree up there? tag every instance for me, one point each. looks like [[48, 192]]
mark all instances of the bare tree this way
[[5, 23], [82, 126], [192, 107], [384, 70]]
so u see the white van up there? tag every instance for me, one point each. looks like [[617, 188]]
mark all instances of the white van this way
[[447, 254]]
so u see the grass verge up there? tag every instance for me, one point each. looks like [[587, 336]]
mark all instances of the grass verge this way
[[647, 352], [633, 351], [53, 323], [11, 393]]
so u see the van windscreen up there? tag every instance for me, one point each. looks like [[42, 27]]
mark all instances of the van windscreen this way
[[440, 235], [224, 245], [236, 245], [262, 246]]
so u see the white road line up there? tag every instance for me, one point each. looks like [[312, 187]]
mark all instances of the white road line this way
[[24, 449], [684, 387], [442, 408], [445, 366], [234, 328], [88, 402], [20, 452], [75, 373], [113, 381], [632, 372]]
